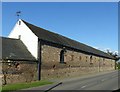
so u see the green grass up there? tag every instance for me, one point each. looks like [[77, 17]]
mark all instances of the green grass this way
[[13, 87]]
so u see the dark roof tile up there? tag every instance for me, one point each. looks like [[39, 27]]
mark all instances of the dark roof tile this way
[[14, 49], [59, 39]]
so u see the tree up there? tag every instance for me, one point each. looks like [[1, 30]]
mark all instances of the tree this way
[[116, 58], [114, 54]]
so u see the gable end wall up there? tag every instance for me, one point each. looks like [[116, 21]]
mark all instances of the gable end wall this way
[[27, 37]]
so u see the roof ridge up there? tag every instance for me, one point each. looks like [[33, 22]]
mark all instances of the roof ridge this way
[[40, 27], [44, 34], [9, 38]]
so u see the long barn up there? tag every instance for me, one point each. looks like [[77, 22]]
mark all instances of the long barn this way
[[59, 56]]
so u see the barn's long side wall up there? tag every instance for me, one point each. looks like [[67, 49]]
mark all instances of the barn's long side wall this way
[[77, 63]]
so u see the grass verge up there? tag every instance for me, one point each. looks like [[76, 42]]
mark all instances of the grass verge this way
[[14, 87]]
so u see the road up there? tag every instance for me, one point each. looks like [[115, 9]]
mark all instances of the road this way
[[100, 81], [106, 81]]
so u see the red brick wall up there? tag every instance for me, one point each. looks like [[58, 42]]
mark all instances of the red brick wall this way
[[76, 63]]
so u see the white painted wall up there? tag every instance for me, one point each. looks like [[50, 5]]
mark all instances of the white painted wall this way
[[27, 36]]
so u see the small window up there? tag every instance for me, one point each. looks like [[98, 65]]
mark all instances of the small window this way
[[19, 22], [72, 57], [54, 66], [19, 36], [90, 57], [62, 56], [111, 65], [86, 58], [80, 57], [91, 63]]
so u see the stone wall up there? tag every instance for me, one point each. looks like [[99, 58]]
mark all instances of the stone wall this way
[[18, 72], [77, 63]]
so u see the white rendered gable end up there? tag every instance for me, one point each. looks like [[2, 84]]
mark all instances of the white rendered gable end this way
[[21, 31]]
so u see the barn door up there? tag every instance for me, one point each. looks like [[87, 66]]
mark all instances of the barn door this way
[[62, 52], [62, 56]]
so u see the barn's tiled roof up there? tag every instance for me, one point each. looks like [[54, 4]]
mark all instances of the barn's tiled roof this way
[[59, 39], [14, 49]]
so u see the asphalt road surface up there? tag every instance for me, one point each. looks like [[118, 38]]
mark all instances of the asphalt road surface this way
[[106, 81], [94, 82]]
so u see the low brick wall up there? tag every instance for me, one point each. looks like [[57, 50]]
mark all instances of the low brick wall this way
[[19, 71]]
